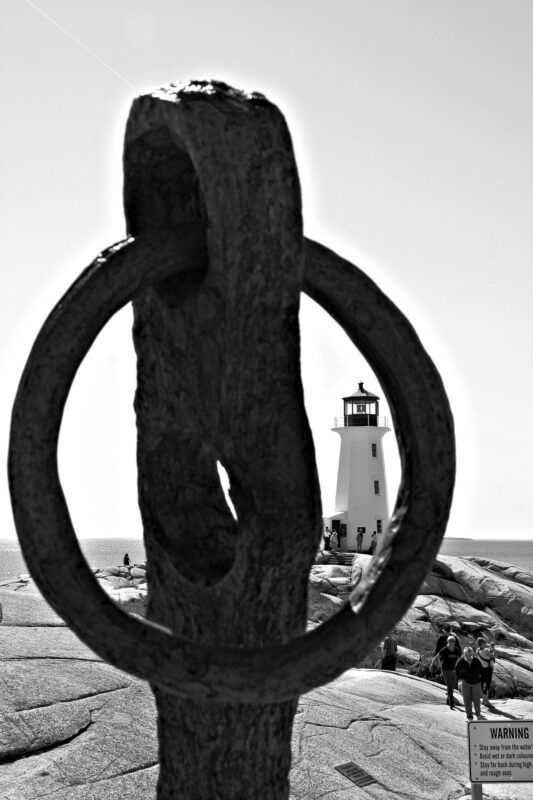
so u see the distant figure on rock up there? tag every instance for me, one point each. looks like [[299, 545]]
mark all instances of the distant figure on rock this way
[[389, 650], [373, 543], [126, 560], [443, 640], [334, 541], [359, 541], [487, 656], [449, 657], [468, 670], [327, 539]]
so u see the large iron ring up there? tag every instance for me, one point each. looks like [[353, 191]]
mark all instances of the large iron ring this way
[[424, 430]]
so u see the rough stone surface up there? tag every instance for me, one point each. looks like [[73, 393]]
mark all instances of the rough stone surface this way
[[399, 730], [328, 586], [74, 728], [126, 585], [23, 605], [71, 726], [479, 598]]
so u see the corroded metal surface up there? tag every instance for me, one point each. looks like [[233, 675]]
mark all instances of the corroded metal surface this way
[[255, 675], [215, 265]]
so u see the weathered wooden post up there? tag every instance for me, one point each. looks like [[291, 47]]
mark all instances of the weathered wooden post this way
[[215, 265]]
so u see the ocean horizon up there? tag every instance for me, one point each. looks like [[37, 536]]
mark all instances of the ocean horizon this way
[[518, 552], [98, 553], [110, 552]]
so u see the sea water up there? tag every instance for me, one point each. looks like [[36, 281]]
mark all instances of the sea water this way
[[110, 552], [518, 552], [98, 553]]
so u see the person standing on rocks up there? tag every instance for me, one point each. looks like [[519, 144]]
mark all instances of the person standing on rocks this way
[[448, 659], [442, 641], [468, 670], [327, 539], [126, 560], [359, 541], [389, 650], [486, 654], [373, 542]]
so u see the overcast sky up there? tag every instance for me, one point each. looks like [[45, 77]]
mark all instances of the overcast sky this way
[[412, 125]]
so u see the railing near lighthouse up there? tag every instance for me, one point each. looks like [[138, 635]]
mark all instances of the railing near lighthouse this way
[[361, 420]]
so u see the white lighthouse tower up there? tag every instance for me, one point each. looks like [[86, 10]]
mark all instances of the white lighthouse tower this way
[[361, 502]]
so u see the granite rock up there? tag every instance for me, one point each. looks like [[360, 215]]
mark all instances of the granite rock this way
[[71, 726], [399, 730], [74, 728], [476, 596]]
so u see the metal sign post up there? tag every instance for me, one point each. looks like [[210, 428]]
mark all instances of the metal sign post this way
[[476, 791]]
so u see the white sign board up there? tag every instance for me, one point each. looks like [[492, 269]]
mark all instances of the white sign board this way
[[501, 752]]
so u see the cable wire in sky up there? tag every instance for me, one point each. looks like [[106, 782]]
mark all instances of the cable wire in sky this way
[[81, 44]]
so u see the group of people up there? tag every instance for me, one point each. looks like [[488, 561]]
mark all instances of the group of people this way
[[332, 541], [373, 542], [473, 671]]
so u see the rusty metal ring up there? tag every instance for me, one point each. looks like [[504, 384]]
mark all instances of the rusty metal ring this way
[[271, 674]]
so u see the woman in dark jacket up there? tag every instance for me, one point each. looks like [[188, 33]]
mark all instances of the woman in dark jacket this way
[[468, 670]]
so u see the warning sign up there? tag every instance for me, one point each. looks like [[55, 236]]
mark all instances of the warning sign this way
[[501, 752]]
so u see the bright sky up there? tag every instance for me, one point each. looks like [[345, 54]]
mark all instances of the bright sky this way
[[412, 124]]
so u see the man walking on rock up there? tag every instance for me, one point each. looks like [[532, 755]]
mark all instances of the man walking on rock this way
[[469, 671], [448, 659]]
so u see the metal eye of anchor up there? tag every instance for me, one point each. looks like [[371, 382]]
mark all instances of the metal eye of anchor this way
[[156, 255]]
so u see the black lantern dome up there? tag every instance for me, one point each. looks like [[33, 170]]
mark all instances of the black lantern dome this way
[[361, 408]]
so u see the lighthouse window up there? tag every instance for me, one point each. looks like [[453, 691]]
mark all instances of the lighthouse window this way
[[376, 487], [361, 408], [374, 450]]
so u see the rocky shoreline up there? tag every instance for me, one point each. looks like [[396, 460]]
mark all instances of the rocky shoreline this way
[[74, 728], [126, 585], [477, 597]]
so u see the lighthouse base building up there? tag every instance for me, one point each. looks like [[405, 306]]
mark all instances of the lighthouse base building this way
[[361, 501]]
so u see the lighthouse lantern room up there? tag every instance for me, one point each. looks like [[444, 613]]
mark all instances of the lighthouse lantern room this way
[[361, 501]]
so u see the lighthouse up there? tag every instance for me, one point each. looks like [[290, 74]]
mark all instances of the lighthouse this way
[[361, 502]]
